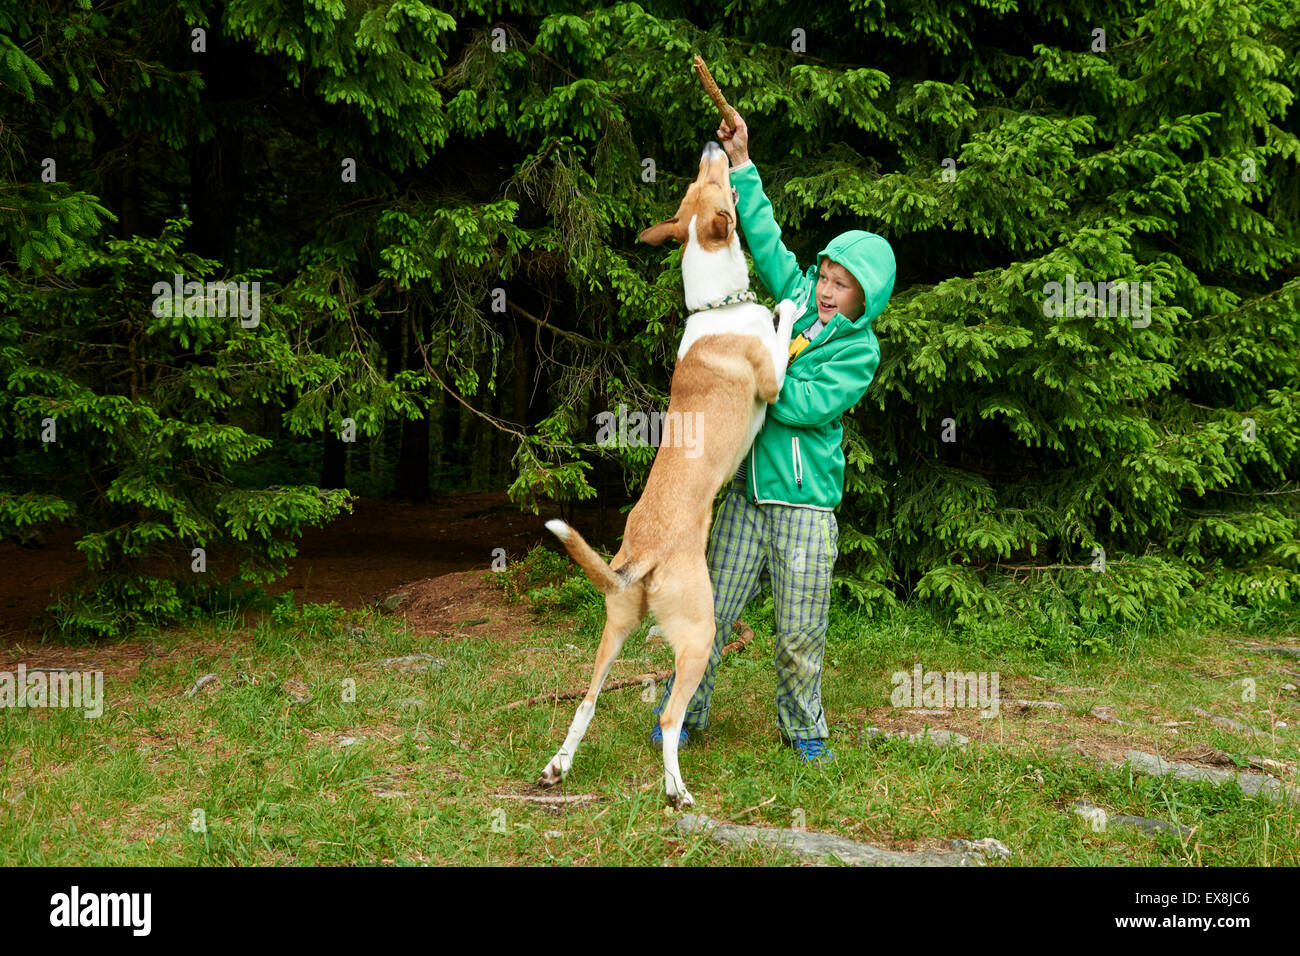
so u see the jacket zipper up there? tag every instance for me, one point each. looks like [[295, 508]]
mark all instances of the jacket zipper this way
[[753, 472], [794, 441]]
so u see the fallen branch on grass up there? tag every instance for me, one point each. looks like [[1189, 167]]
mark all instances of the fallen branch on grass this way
[[1026, 704], [571, 798], [758, 806], [200, 683], [743, 629], [1262, 763]]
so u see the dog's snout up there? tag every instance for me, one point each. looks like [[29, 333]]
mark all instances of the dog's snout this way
[[710, 148]]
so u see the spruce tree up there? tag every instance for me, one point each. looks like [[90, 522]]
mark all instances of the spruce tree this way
[[1016, 455]]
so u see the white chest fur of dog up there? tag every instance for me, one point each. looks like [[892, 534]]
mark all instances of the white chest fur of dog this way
[[730, 365], [745, 319]]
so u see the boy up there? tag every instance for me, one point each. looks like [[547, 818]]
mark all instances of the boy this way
[[777, 524]]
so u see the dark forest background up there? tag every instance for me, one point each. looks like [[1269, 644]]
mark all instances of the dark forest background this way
[[440, 204]]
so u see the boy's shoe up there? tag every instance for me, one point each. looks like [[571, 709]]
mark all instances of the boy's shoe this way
[[813, 751], [657, 736]]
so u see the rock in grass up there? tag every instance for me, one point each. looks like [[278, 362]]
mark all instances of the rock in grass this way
[[1251, 784], [391, 603], [413, 662], [826, 847], [934, 738], [1231, 724], [1284, 651], [1091, 813], [1095, 817], [988, 846]]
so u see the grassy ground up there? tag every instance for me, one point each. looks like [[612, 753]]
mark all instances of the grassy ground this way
[[275, 787]]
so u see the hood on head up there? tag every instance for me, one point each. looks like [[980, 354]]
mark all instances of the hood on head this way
[[871, 260]]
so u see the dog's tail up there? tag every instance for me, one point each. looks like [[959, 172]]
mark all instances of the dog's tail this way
[[606, 579]]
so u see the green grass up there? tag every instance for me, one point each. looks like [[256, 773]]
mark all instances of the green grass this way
[[274, 788]]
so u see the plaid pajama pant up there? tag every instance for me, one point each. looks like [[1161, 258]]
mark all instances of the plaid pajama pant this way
[[792, 550]]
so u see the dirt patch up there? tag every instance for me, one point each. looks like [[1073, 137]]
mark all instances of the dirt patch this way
[[384, 545], [119, 661], [462, 603], [361, 556], [453, 606], [30, 576]]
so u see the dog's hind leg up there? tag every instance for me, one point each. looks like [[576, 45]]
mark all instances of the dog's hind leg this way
[[693, 643], [623, 611], [684, 608]]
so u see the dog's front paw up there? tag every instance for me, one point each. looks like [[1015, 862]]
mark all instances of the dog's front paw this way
[[787, 312]]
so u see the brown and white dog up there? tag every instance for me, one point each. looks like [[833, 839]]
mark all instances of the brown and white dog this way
[[730, 365]]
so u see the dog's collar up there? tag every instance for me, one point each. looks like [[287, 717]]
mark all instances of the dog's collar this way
[[735, 297]]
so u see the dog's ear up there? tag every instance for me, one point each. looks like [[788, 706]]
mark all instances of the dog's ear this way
[[660, 231], [718, 227]]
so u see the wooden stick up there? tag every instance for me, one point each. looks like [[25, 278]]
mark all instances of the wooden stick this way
[[548, 801], [757, 806], [715, 94], [746, 635]]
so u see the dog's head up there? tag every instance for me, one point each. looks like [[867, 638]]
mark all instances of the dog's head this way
[[710, 201]]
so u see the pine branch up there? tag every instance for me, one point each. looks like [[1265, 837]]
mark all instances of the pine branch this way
[[497, 423], [563, 333]]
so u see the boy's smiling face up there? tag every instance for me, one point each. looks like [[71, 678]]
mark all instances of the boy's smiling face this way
[[838, 291]]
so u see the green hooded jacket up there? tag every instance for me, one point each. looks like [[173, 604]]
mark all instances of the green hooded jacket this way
[[798, 457]]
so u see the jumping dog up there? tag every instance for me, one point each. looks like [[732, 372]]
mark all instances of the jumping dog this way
[[730, 365]]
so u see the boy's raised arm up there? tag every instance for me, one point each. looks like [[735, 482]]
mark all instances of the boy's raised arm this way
[[777, 267]]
